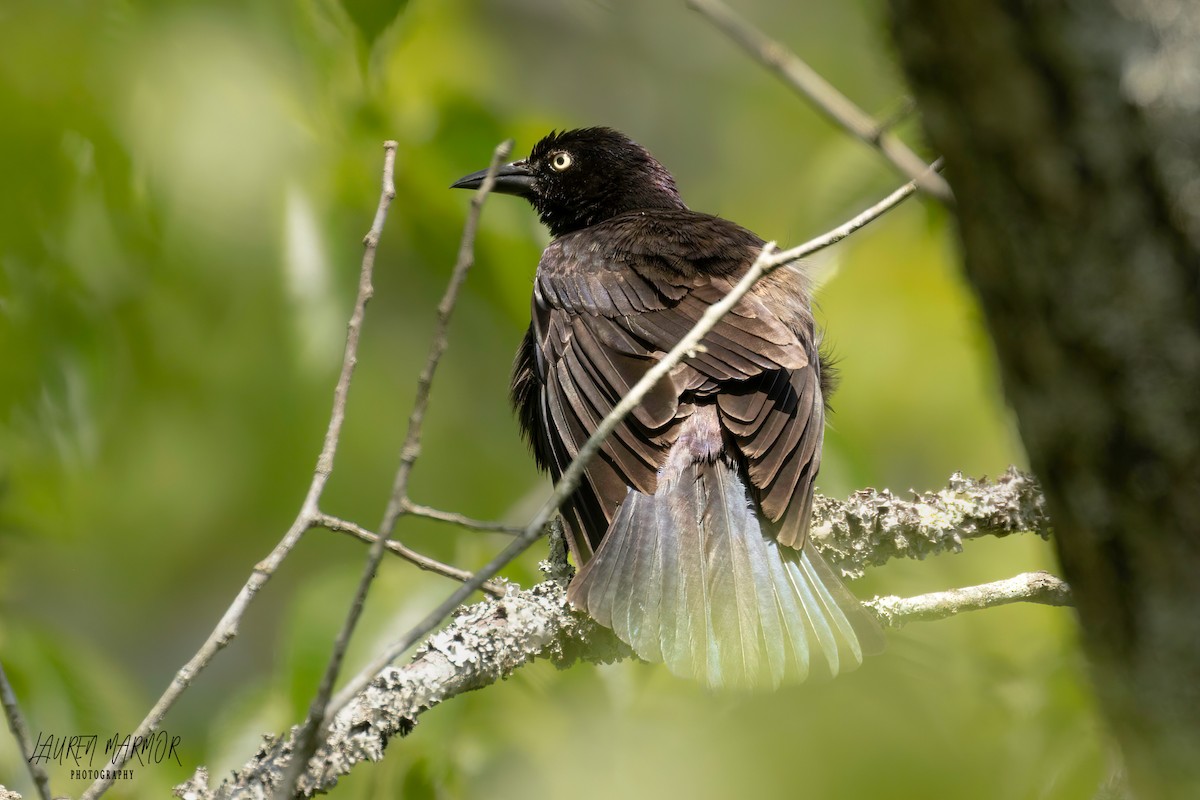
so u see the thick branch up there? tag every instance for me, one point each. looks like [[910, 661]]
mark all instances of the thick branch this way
[[485, 643], [874, 526]]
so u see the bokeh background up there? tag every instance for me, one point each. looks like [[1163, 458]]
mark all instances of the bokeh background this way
[[183, 191]]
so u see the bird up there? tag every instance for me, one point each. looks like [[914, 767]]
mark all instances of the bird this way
[[690, 528]]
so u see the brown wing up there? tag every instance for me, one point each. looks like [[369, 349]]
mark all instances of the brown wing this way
[[607, 306]]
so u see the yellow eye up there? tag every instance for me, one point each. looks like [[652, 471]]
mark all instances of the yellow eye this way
[[560, 161]]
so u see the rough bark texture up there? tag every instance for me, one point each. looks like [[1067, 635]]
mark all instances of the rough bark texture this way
[[873, 526], [483, 645], [1071, 133]]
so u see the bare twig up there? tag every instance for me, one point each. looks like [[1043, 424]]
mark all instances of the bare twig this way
[[227, 627], [466, 257], [771, 263], [1028, 587], [309, 735], [489, 640], [419, 560], [454, 518], [768, 260], [839, 108], [20, 732], [894, 116]]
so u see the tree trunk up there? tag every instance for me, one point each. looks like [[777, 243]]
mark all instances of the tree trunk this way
[[1071, 133]]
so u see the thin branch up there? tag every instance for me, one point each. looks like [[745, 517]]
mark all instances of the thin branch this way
[[489, 640], [227, 627], [466, 258], [20, 732], [839, 108], [842, 231], [903, 108], [419, 560], [768, 260], [1028, 587], [454, 518], [318, 712]]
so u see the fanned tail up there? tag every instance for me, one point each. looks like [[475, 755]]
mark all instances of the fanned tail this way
[[688, 577]]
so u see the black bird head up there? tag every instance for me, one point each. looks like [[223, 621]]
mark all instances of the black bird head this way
[[577, 178]]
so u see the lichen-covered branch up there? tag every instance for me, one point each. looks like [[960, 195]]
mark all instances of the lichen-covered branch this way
[[873, 526], [1028, 587], [488, 640], [484, 644]]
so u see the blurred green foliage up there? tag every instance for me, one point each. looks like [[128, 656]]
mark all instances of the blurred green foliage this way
[[184, 190]]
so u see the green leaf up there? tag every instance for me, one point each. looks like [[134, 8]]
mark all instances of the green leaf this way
[[372, 17]]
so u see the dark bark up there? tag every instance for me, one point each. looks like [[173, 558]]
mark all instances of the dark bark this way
[[1071, 133]]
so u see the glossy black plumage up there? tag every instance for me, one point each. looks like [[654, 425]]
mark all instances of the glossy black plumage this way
[[690, 527]]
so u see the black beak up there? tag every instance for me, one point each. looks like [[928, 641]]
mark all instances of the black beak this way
[[515, 178]]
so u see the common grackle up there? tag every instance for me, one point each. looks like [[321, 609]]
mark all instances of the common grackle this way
[[690, 528]]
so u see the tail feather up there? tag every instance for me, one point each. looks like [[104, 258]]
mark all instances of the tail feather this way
[[815, 614], [688, 576], [772, 619], [643, 618], [864, 631], [602, 570], [616, 589], [636, 612], [694, 624], [735, 577], [671, 628], [797, 636]]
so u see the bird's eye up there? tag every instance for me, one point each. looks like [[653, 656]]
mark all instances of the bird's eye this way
[[560, 161]]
